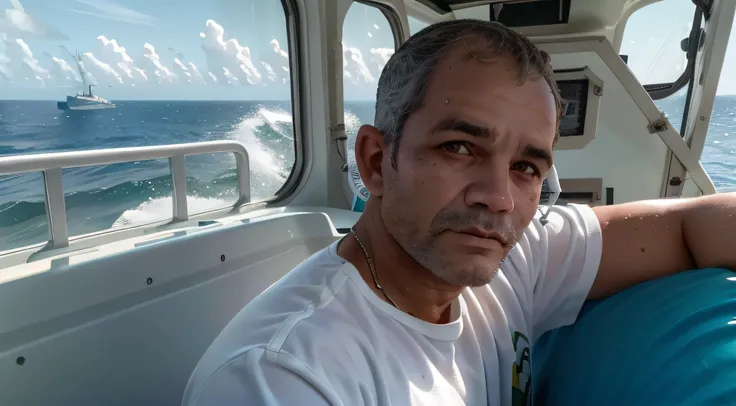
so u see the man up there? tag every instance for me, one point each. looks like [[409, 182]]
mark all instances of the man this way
[[449, 276]]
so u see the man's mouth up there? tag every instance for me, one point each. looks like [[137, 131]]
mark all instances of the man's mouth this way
[[481, 233]]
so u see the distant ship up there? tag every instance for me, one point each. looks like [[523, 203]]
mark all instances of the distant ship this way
[[82, 100], [85, 101]]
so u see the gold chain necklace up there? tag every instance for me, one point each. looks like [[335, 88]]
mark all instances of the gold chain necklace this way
[[373, 269]]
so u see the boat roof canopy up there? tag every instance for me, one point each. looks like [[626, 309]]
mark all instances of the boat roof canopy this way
[[580, 15], [516, 13]]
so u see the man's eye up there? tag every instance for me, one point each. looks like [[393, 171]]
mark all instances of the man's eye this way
[[456, 147], [526, 168]]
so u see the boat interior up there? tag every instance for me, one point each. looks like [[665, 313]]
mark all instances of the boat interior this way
[[122, 316]]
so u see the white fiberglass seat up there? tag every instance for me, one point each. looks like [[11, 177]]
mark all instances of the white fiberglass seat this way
[[129, 328]]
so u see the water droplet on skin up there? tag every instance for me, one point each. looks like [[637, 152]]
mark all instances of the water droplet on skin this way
[[447, 101]]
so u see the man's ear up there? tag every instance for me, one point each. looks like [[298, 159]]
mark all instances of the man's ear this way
[[369, 152]]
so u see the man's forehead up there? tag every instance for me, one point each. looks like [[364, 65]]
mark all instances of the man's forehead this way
[[463, 68], [490, 91], [467, 52]]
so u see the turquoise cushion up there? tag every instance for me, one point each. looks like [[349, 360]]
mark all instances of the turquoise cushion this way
[[670, 341]]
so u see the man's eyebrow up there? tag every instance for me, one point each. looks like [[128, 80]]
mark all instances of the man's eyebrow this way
[[454, 123], [538, 153]]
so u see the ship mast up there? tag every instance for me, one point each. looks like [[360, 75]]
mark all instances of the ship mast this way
[[82, 72]]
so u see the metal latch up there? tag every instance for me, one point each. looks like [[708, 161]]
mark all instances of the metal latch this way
[[657, 126]]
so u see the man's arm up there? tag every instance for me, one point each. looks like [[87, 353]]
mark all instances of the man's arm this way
[[654, 238]]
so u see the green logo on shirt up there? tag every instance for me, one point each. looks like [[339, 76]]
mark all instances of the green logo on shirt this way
[[521, 379]]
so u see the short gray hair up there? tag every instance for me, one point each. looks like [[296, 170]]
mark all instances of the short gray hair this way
[[402, 86]]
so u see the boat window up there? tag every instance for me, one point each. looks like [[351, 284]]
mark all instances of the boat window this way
[[368, 42], [651, 46], [416, 25], [652, 37], [95, 75]]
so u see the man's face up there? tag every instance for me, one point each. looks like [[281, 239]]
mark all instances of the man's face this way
[[470, 167]]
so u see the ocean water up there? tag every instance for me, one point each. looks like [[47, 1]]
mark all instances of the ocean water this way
[[125, 194]]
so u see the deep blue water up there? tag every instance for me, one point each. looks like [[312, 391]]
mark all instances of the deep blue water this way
[[132, 193], [719, 153], [100, 197]]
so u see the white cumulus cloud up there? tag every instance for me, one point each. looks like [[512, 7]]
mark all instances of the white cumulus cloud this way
[[276, 63], [183, 71], [116, 56], [379, 58], [355, 69], [18, 62], [5, 72], [110, 63], [229, 77], [195, 72], [156, 66], [63, 71], [228, 59], [101, 71], [16, 23]]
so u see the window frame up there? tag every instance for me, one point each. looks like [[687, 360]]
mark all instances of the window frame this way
[[662, 90], [392, 15], [292, 16], [400, 32]]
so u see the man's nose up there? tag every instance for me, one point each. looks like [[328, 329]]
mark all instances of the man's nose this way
[[491, 189]]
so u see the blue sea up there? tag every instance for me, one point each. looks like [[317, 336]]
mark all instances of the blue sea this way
[[126, 194]]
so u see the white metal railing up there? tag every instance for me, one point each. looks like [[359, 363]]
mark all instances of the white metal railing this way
[[51, 165]]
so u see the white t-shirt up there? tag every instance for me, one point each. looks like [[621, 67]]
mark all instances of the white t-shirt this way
[[321, 336]]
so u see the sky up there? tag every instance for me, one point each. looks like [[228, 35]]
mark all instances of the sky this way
[[237, 49]]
